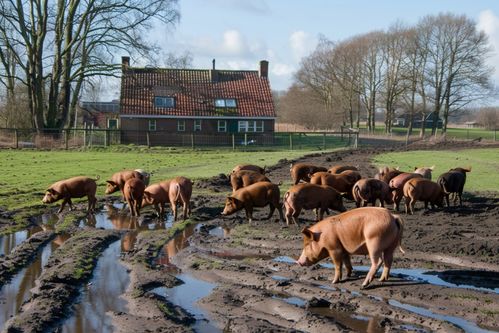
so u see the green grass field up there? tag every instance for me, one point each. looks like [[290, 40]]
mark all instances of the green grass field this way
[[484, 162], [26, 174], [452, 133]]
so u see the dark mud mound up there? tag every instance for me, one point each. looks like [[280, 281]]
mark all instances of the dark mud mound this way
[[218, 183]]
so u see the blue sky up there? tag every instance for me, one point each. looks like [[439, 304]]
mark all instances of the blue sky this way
[[240, 33]]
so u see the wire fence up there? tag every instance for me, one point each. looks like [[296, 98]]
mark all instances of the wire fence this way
[[91, 137]]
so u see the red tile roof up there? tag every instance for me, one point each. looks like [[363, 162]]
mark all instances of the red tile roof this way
[[195, 92]]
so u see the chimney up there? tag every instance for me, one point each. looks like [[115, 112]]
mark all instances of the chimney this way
[[125, 62], [264, 69], [213, 73]]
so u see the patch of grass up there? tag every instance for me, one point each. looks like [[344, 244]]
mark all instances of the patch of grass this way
[[465, 297], [26, 174], [484, 163], [489, 313]]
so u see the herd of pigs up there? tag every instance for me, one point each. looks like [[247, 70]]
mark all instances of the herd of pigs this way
[[373, 231]]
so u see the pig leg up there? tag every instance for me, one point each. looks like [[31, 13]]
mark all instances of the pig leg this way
[[289, 214], [295, 216], [249, 213], [62, 206], [375, 256], [387, 264], [185, 210], [272, 209], [338, 262], [157, 209], [174, 210], [348, 264], [130, 206], [281, 215]]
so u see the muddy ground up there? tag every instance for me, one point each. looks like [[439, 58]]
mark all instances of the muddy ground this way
[[256, 287]]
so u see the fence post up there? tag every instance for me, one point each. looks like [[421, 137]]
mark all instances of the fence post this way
[[356, 142], [233, 142], [66, 138], [192, 140], [290, 141], [495, 134], [106, 138], [324, 141], [148, 139], [341, 129], [16, 137], [85, 136], [245, 139]]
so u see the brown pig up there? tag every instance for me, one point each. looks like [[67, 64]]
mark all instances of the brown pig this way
[[335, 169], [251, 167], [424, 190], [133, 192], [386, 174], [342, 183], [311, 196], [397, 186], [118, 180], [372, 231], [424, 171], [76, 187], [243, 178], [369, 190], [180, 191], [302, 171], [259, 194], [157, 195]]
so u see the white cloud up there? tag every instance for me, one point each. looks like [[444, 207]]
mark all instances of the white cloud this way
[[280, 69], [301, 44], [489, 23]]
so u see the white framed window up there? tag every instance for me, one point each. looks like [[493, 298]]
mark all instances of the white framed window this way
[[242, 126], [222, 126], [112, 123], [197, 125], [152, 125], [180, 125], [164, 102], [259, 126], [225, 103], [250, 126]]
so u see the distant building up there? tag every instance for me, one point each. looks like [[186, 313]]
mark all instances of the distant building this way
[[403, 121], [103, 115], [169, 103]]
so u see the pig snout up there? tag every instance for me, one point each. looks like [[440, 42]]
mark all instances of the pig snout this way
[[303, 260], [47, 199]]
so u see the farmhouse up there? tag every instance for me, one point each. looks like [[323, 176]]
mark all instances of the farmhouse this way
[[164, 106], [403, 121], [102, 115]]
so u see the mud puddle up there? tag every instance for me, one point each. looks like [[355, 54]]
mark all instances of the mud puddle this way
[[102, 294], [348, 319], [186, 296], [9, 241], [18, 290], [429, 277], [466, 279]]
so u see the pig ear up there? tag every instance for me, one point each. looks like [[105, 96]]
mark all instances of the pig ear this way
[[306, 231], [52, 191], [311, 235], [468, 169], [111, 182], [432, 167], [415, 168], [397, 168]]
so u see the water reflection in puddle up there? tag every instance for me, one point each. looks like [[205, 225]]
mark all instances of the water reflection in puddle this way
[[477, 280], [102, 294], [18, 290], [9, 241], [186, 296]]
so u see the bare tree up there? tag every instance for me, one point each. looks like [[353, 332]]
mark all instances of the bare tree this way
[[488, 117], [65, 42], [455, 70]]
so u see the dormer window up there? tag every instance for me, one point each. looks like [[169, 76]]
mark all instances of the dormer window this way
[[225, 103], [164, 102]]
